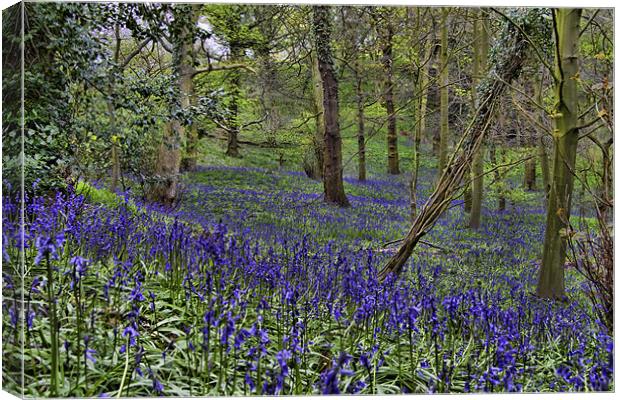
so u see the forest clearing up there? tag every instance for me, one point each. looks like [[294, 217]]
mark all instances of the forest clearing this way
[[240, 199]]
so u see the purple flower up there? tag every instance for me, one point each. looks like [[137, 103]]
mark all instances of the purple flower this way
[[157, 386], [89, 354]]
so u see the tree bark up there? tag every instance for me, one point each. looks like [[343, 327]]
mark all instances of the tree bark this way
[[318, 145], [510, 54], [530, 172], [232, 147], [565, 137], [187, 96], [544, 166], [420, 128], [165, 189], [542, 150], [361, 140], [388, 98], [169, 163], [443, 93], [268, 75], [481, 50], [332, 169], [114, 134]]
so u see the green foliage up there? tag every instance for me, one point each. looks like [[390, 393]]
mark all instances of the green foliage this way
[[59, 52], [104, 197]]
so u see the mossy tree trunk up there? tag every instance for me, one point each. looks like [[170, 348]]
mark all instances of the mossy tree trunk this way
[[333, 185], [565, 137]]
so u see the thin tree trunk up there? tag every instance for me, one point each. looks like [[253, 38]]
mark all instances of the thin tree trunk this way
[[269, 78], [530, 172], [542, 150], [392, 138], [332, 169], [507, 65], [443, 93], [420, 129], [232, 147], [116, 162], [566, 133], [481, 50], [544, 165], [361, 140]]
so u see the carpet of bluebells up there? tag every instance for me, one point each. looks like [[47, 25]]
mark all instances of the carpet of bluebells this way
[[254, 286]]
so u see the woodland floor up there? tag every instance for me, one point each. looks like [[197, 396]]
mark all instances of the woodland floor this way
[[255, 286]]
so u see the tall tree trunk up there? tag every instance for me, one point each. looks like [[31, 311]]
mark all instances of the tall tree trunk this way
[[116, 163], [187, 98], [481, 50], [508, 63], [361, 140], [332, 169], [443, 93], [114, 134], [168, 168], [420, 128], [542, 149], [544, 165], [268, 74], [388, 98], [530, 172], [232, 146], [565, 135], [318, 145]]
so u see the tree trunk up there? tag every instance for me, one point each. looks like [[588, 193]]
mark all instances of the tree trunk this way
[[501, 196], [544, 165], [542, 150], [268, 75], [114, 134], [530, 172], [511, 52], [116, 163], [318, 145], [361, 140], [481, 50], [388, 98], [565, 136], [169, 164], [187, 98], [332, 169], [443, 93], [232, 147], [165, 189], [420, 128]]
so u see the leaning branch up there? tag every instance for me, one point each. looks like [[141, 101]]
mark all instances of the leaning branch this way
[[512, 51]]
